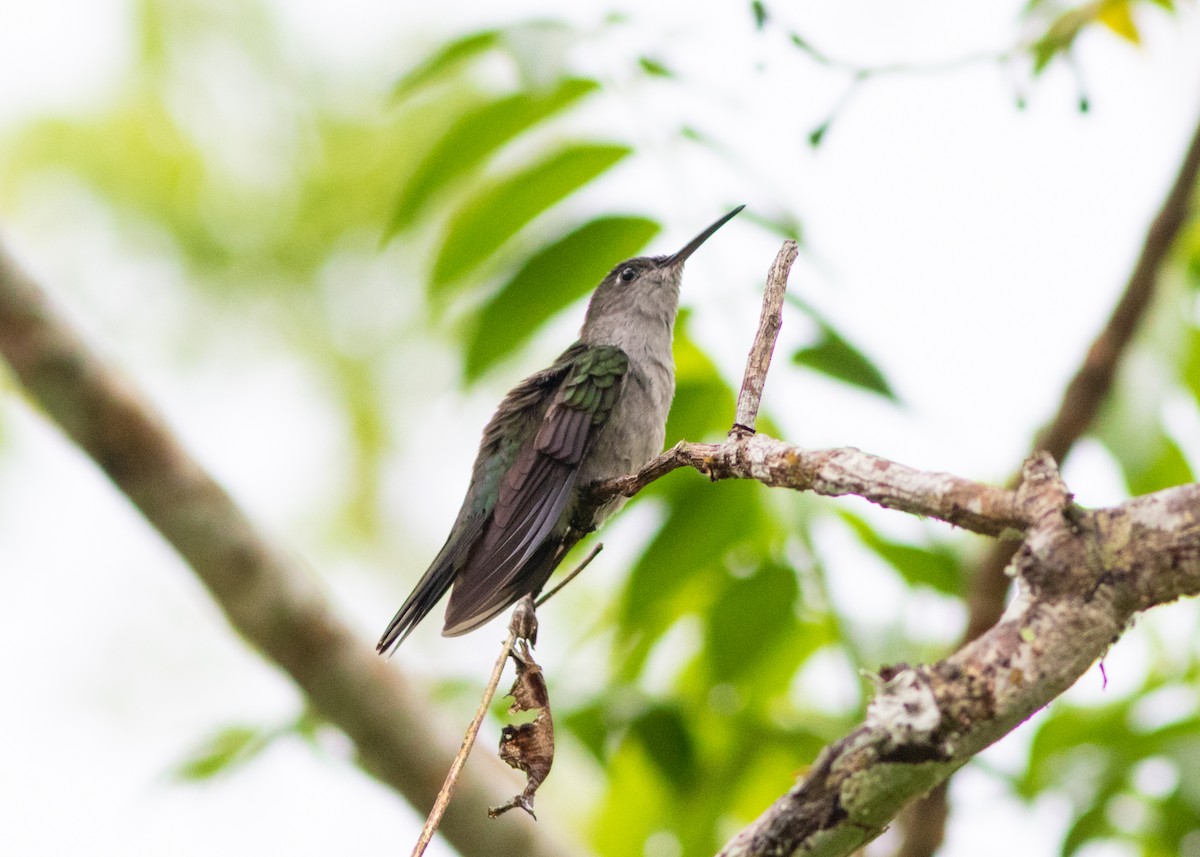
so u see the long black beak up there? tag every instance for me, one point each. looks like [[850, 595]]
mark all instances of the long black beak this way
[[681, 256]]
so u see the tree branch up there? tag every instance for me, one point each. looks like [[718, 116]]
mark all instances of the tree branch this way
[[1080, 403], [1083, 576], [1089, 387], [839, 472], [770, 320], [267, 598], [442, 801]]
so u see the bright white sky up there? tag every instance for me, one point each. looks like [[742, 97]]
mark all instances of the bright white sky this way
[[973, 249]]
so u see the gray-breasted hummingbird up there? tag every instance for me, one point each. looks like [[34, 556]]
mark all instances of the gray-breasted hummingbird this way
[[598, 412]]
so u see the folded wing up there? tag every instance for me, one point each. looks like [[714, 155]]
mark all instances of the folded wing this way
[[518, 547], [516, 421]]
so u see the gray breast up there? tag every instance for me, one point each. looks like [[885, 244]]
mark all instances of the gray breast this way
[[636, 428]]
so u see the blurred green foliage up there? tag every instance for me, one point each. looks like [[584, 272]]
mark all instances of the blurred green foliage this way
[[473, 174], [233, 746], [548, 282], [1131, 768], [1061, 24], [833, 355]]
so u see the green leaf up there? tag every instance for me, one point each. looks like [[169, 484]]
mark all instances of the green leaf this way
[[817, 135], [682, 567], [759, 10], [749, 619], [232, 746], [1167, 468], [936, 567], [635, 804], [1176, 823], [589, 725], [448, 59], [1149, 458], [475, 136], [1091, 752], [1062, 32], [704, 403], [550, 280], [663, 734], [307, 726], [834, 356], [654, 68], [1191, 367], [1079, 741], [481, 226], [1091, 824], [782, 224], [770, 772], [1118, 17]]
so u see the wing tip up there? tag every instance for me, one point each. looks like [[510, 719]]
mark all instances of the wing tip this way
[[397, 632], [428, 592]]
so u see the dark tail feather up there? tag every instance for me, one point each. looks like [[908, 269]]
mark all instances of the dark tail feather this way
[[424, 597], [470, 608]]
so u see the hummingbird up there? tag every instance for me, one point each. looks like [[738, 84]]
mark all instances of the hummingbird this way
[[599, 411]]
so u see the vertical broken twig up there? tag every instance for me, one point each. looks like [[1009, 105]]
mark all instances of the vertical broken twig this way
[[759, 359]]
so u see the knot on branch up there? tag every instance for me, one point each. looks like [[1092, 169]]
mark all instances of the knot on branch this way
[[1042, 492], [1060, 551], [906, 717]]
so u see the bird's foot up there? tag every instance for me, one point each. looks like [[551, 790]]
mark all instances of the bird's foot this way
[[524, 622]]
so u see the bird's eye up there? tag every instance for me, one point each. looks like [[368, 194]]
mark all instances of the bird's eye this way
[[627, 275]]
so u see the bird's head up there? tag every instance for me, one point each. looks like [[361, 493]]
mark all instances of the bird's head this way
[[641, 290]]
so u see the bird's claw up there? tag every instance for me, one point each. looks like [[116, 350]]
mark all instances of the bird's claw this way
[[524, 622]]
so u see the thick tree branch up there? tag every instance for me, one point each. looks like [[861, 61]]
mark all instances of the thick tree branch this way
[[1080, 403], [1083, 575], [267, 598], [1089, 387]]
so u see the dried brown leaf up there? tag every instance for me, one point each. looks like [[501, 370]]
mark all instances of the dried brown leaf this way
[[528, 747]]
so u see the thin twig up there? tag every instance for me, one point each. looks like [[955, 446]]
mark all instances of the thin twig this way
[[443, 796], [858, 74], [862, 71], [759, 359], [974, 506], [546, 596]]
